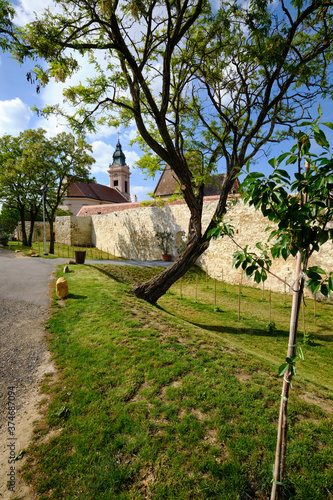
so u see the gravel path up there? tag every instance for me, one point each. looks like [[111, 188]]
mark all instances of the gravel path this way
[[24, 358]]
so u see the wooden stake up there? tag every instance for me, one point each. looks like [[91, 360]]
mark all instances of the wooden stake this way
[[239, 299], [278, 475], [303, 311], [315, 304], [196, 288], [285, 291], [215, 291], [270, 305], [181, 288]]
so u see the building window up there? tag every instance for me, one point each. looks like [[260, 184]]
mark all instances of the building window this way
[[125, 186], [115, 183]]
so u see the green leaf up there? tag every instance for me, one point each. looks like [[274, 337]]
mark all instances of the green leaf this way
[[328, 124], [283, 368], [320, 139], [317, 269], [257, 277], [283, 157], [324, 290], [330, 283], [300, 352]]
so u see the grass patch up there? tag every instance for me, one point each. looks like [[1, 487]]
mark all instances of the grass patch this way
[[65, 251], [178, 401]]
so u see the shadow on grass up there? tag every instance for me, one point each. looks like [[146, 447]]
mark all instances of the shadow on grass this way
[[128, 275], [107, 272], [74, 296], [241, 330]]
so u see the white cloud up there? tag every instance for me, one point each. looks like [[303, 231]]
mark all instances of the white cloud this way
[[131, 158], [142, 189], [102, 153], [14, 116], [26, 9], [53, 125], [130, 135]]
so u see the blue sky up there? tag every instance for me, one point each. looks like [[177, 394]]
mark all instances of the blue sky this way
[[17, 96]]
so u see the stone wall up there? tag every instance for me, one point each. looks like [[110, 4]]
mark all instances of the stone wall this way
[[38, 228], [73, 231], [130, 234]]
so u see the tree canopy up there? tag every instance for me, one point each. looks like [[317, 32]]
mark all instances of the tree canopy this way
[[30, 161], [224, 82]]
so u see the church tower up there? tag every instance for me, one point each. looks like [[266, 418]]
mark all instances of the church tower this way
[[120, 173]]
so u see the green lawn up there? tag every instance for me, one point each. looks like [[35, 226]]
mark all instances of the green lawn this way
[[178, 401], [64, 251]]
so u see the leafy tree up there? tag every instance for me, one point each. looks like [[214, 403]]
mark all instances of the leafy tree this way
[[9, 218], [30, 161], [219, 83], [70, 161], [302, 209], [21, 164], [6, 24]]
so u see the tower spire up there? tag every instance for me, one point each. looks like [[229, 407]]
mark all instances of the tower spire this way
[[119, 172]]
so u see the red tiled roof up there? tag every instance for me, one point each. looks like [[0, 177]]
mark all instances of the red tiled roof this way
[[108, 209], [95, 192]]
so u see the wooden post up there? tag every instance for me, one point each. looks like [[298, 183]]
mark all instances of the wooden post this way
[[285, 290], [270, 305], [215, 291], [239, 299], [303, 312], [315, 304]]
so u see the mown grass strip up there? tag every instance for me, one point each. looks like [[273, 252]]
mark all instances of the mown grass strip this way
[[165, 403]]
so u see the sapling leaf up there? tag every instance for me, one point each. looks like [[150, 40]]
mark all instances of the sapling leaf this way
[[313, 276], [300, 352], [320, 139], [328, 124], [330, 283], [283, 368], [317, 269]]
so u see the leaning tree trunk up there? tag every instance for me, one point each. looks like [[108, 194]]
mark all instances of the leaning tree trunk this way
[[153, 289]]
